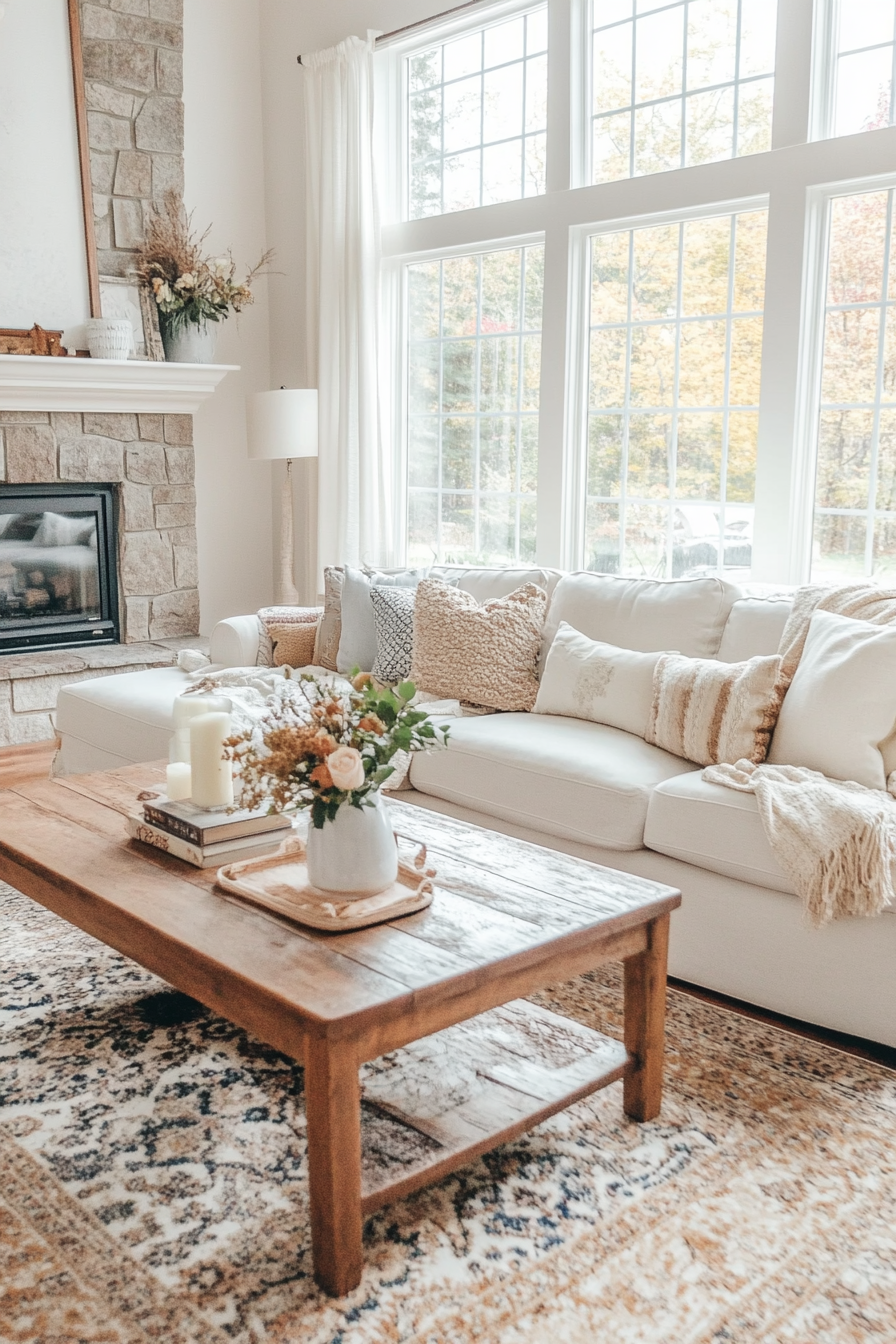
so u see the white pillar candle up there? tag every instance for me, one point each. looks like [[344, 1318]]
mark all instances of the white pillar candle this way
[[212, 779], [187, 708], [179, 784]]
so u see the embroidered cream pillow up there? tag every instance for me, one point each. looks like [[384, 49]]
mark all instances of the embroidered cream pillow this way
[[482, 654], [714, 713], [586, 679]]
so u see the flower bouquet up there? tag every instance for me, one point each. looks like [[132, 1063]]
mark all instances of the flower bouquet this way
[[331, 751], [189, 289]]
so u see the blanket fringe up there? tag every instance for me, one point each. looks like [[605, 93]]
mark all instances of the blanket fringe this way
[[856, 879]]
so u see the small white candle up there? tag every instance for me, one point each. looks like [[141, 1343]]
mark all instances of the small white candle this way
[[179, 784], [212, 778]]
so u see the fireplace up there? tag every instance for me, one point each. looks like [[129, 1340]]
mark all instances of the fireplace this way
[[58, 578]]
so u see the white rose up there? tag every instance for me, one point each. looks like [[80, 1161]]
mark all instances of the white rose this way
[[186, 281], [346, 768]]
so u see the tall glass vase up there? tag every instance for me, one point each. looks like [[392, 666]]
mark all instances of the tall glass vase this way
[[355, 854]]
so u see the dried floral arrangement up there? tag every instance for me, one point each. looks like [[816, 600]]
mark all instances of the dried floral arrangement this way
[[188, 287], [327, 747]]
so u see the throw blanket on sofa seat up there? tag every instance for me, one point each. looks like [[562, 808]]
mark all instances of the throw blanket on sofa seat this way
[[835, 841]]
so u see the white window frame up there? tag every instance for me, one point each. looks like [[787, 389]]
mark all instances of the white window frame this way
[[793, 178], [396, 279], [818, 228], [392, 95], [580, 337]]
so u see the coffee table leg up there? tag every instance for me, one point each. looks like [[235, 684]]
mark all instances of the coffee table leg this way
[[645, 1022], [333, 1115]]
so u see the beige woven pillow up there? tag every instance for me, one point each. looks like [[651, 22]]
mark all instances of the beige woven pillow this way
[[293, 645], [326, 646], [714, 713], [483, 654], [284, 619]]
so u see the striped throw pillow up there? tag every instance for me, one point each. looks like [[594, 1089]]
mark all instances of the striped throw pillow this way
[[714, 713]]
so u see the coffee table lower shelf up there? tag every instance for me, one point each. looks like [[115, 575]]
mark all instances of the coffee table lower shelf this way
[[471, 1087]]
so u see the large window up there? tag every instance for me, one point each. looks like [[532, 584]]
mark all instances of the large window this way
[[477, 117], [855, 516], [669, 413], [680, 83], [474, 355], [676, 339], [863, 67]]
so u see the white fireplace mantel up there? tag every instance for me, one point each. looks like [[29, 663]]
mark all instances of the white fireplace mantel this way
[[48, 383]]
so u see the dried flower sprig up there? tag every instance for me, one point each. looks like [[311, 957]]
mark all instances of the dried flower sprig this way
[[188, 287], [330, 747]]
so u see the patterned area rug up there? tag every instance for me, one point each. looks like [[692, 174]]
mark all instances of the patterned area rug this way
[[153, 1185]]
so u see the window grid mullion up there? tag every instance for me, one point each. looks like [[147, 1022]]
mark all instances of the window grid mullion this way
[[726, 410], [676, 389], [878, 387]]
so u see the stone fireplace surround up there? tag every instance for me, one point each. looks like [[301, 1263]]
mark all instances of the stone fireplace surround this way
[[149, 461]]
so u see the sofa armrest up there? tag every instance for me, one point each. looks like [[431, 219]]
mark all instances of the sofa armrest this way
[[234, 642]]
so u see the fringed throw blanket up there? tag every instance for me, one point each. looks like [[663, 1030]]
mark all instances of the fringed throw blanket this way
[[835, 841]]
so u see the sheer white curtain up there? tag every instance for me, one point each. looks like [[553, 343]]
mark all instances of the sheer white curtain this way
[[342, 260]]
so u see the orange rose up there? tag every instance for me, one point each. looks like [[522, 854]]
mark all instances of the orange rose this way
[[372, 723], [322, 743], [321, 775]]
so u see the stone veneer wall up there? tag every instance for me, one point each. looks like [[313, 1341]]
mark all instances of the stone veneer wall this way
[[150, 460], [133, 75]]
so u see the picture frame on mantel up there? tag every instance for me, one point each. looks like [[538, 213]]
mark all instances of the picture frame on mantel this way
[[49, 271], [124, 297]]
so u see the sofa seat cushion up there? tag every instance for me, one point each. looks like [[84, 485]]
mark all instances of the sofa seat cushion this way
[[714, 828], [128, 714], [566, 777]]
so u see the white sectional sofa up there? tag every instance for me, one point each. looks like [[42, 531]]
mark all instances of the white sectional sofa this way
[[597, 792]]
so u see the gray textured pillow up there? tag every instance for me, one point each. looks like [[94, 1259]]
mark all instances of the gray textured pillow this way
[[357, 639], [393, 615]]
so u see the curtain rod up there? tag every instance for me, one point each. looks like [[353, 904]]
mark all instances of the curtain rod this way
[[423, 23]]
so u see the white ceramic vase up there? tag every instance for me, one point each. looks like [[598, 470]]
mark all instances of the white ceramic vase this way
[[355, 854], [190, 342]]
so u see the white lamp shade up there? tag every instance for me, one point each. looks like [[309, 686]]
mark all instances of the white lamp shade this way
[[282, 423]]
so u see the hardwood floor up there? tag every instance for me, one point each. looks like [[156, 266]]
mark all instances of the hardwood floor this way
[[25, 764]]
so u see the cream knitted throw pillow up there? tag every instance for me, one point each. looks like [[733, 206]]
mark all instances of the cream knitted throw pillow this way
[[482, 654], [712, 712]]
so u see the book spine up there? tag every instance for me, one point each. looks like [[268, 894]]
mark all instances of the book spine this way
[[175, 826], [170, 844]]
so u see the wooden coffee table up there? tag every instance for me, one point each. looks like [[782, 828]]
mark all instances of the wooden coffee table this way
[[508, 919]]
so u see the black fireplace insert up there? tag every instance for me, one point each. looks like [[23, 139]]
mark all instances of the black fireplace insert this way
[[58, 577]]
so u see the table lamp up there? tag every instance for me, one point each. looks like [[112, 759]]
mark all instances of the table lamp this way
[[283, 424]]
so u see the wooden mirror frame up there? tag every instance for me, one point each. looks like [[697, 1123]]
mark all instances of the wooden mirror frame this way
[[93, 270]]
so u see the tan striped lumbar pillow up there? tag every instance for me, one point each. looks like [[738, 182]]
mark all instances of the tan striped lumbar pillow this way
[[714, 713]]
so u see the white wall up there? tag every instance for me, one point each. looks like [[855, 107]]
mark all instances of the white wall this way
[[287, 29], [225, 187]]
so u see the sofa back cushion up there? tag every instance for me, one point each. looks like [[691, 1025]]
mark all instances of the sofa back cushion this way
[[754, 628], [687, 615], [487, 583]]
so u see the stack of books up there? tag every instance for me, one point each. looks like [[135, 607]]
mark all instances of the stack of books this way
[[207, 839]]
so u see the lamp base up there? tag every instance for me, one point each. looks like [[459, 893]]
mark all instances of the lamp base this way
[[287, 593]]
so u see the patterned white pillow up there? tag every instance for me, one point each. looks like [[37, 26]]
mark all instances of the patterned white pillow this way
[[393, 616]]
